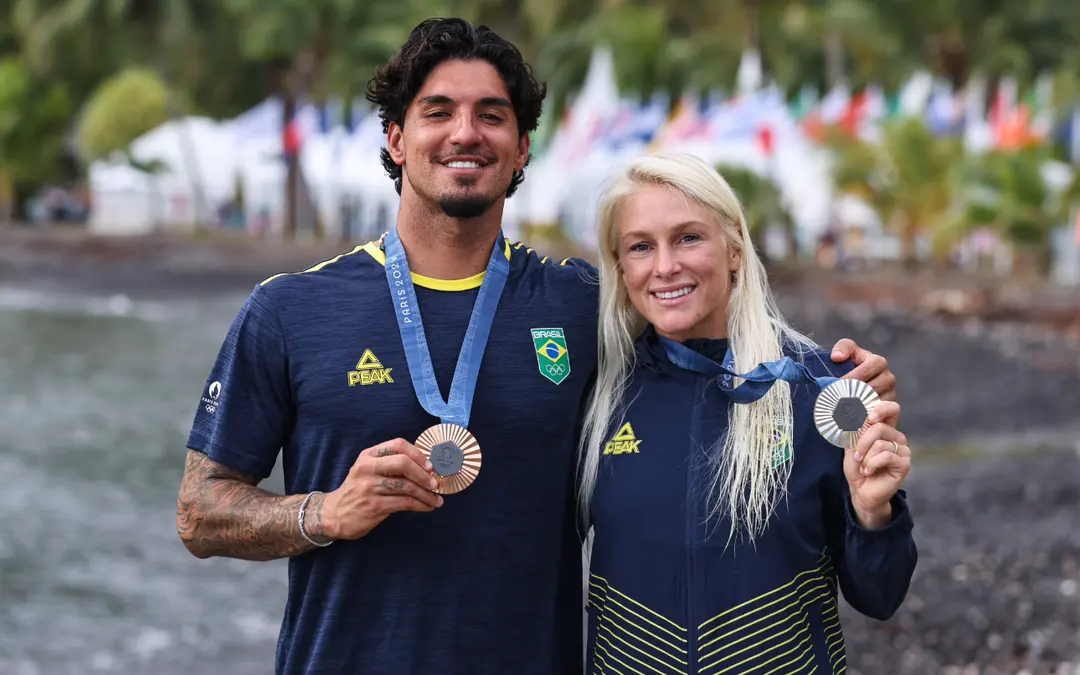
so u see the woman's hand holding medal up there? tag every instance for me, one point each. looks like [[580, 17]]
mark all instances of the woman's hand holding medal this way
[[877, 465], [386, 478]]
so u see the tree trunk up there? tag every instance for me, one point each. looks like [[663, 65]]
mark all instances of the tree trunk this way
[[7, 197], [954, 63], [1044, 259], [909, 232], [299, 206], [834, 56], [174, 113], [753, 25], [291, 166], [191, 164], [793, 242]]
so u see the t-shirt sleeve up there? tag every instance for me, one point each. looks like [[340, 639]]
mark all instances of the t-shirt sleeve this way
[[580, 264], [245, 412]]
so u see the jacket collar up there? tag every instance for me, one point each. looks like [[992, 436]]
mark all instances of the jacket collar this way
[[650, 353]]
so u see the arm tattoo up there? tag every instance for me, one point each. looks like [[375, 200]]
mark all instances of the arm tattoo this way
[[221, 512], [385, 452]]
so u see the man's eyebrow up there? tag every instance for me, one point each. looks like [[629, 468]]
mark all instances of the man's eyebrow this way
[[488, 101]]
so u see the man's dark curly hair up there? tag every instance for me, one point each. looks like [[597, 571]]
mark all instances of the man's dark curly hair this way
[[434, 41]]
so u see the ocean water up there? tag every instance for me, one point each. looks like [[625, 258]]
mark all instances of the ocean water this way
[[96, 398]]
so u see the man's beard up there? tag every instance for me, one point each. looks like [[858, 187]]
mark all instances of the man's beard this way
[[470, 206]]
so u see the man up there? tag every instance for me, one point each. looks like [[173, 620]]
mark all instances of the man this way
[[343, 366]]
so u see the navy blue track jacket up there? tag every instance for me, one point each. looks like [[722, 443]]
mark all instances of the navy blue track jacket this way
[[669, 594]]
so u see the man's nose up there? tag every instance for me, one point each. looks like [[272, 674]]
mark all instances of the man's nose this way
[[466, 131]]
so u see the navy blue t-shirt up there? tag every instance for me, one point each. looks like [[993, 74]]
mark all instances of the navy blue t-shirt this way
[[313, 367]]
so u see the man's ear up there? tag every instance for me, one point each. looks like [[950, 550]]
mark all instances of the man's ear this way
[[523, 153], [395, 144]]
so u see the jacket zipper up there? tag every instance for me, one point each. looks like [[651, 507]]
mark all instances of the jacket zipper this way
[[691, 505]]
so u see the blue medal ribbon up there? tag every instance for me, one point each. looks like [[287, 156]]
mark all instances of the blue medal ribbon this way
[[458, 407], [758, 381]]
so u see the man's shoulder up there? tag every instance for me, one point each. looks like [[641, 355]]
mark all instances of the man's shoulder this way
[[342, 285], [356, 265], [348, 260], [571, 269]]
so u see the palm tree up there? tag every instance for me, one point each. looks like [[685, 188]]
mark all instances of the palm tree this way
[[1007, 192], [907, 177], [763, 205], [320, 47]]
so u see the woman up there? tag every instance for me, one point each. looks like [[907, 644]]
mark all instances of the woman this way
[[721, 529]]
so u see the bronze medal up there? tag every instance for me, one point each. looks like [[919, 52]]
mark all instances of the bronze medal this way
[[454, 454]]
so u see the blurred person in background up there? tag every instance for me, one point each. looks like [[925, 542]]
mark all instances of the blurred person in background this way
[[722, 522], [386, 576]]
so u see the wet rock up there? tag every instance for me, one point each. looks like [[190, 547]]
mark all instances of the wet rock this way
[[996, 584]]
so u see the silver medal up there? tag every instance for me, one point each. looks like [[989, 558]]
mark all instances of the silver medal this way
[[841, 410]]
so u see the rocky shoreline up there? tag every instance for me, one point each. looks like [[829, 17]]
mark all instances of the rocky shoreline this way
[[988, 378], [997, 587], [152, 266]]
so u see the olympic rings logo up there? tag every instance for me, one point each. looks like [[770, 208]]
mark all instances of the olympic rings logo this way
[[555, 368]]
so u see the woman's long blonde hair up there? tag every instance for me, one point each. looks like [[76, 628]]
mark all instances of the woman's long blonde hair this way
[[745, 483]]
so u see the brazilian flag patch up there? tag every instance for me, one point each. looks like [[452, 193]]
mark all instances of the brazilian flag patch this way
[[552, 355]]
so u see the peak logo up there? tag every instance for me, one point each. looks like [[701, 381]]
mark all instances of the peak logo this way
[[369, 370], [623, 442]]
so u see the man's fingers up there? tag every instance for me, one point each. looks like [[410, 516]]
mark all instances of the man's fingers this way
[[398, 446], [885, 386], [875, 372], [402, 487], [413, 453], [404, 503], [869, 369], [843, 350], [402, 466]]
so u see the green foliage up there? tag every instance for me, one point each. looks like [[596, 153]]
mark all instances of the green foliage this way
[[1006, 191], [33, 115], [761, 200], [125, 107], [222, 56], [908, 177], [327, 45], [762, 203]]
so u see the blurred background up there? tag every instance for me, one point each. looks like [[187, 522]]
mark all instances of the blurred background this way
[[908, 168]]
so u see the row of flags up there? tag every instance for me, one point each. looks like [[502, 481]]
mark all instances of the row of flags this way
[[1008, 122], [601, 118]]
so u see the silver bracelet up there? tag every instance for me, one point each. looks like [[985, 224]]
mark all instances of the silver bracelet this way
[[300, 519]]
